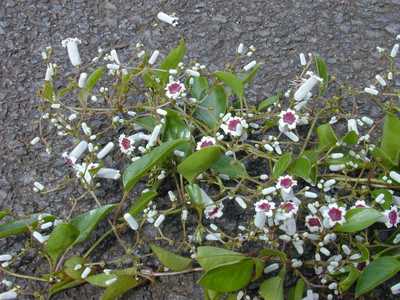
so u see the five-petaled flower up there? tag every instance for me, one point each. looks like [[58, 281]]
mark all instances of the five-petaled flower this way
[[126, 144], [333, 214], [265, 206], [391, 217], [214, 211], [313, 223], [235, 126], [287, 209], [286, 183], [288, 120], [175, 90], [205, 142]]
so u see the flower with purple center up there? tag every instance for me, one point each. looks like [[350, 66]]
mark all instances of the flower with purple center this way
[[265, 206], [214, 211], [288, 119], [313, 223], [287, 209], [286, 183], [175, 90], [205, 141], [333, 214], [360, 204], [391, 217], [233, 125], [126, 144]]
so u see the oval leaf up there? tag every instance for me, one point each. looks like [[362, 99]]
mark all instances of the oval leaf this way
[[212, 106], [212, 257], [272, 288], [232, 81], [61, 238], [358, 219], [21, 226], [229, 166], [120, 287], [171, 260], [281, 165]]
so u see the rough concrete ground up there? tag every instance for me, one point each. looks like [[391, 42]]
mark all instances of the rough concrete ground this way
[[344, 32]]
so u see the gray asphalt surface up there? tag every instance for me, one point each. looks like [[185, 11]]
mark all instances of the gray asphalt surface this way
[[344, 32]]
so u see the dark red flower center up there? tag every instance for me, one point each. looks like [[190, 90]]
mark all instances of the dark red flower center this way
[[314, 222], [360, 205], [126, 143], [289, 118], [264, 206], [286, 182], [206, 144], [213, 212], [335, 214], [287, 206], [174, 88], [393, 217], [232, 124]]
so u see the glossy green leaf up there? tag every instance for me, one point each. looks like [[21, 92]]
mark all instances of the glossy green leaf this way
[[21, 226], [211, 106], [141, 203], [147, 122], [175, 126], [390, 139], [377, 272], [88, 221], [358, 219], [71, 263], [268, 102], [388, 197], [232, 81], [94, 78], [199, 162], [212, 257], [199, 87], [249, 76], [229, 166], [273, 253], [281, 165], [351, 138], [272, 288], [212, 295], [61, 238], [198, 196], [4, 213], [47, 91], [172, 60], [301, 167], [64, 285], [120, 287], [322, 71], [142, 166], [101, 279], [171, 260], [259, 265], [347, 282], [297, 292], [326, 136], [229, 277]]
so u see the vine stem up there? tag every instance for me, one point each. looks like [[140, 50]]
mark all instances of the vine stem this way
[[22, 276], [160, 274]]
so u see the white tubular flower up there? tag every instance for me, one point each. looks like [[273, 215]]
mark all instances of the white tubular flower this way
[[9, 295], [105, 151], [184, 215], [259, 219], [395, 289], [35, 140], [337, 168], [73, 52], [83, 171], [380, 79], [395, 50], [352, 126], [159, 221], [213, 237], [288, 120], [38, 186], [303, 61], [214, 211], [86, 272], [306, 87], [250, 65], [108, 173], [82, 80], [268, 190], [240, 48], [39, 237], [333, 214], [235, 126], [167, 18], [286, 183], [133, 224], [86, 129], [241, 202], [371, 91], [49, 72], [114, 56], [154, 136], [5, 257], [76, 153], [154, 57], [271, 268], [395, 176], [175, 90], [192, 73], [205, 142], [391, 217]]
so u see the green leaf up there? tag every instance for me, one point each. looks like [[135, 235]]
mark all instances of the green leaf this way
[[147, 122], [61, 238], [100, 279], [171, 260], [198, 162], [21, 226], [322, 71], [120, 287], [140, 167], [172, 60], [199, 87], [272, 288], [175, 126], [69, 267], [281, 165], [211, 106], [326, 136], [211, 295], [297, 292], [249, 76], [64, 285], [259, 265], [377, 272], [232, 81], [212, 257], [390, 138], [273, 253], [141, 203], [358, 219], [88, 221], [47, 91], [4, 213], [229, 277], [198, 196], [351, 138], [350, 279], [301, 167], [268, 102], [229, 166], [388, 197], [94, 78]]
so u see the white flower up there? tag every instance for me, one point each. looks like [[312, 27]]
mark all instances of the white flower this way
[[395, 176], [205, 142], [250, 65], [286, 183], [265, 206], [313, 223], [233, 125], [306, 87], [86, 272], [50, 70], [153, 57], [9, 295], [214, 211], [82, 80], [175, 90], [380, 79], [333, 215], [168, 19], [240, 48], [259, 219], [154, 136], [241, 202], [106, 150], [360, 204], [192, 73], [72, 48], [303, 61], [76, 153], [159, 220], [395, 289], [39, 237], [391, 217], [84, 171], [108, 173], [371, 91], [133, 224], [288, 120], [5, 257], [395, 50], [352, 126], [126, 144], [287, 209]]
